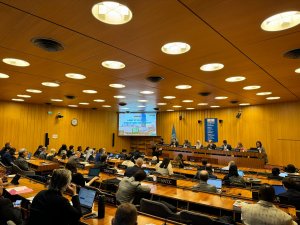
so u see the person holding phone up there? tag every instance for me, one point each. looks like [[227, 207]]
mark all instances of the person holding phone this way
[[51, 207], [7, 209]]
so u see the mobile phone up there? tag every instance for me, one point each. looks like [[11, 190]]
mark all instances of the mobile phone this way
[[17, 203]]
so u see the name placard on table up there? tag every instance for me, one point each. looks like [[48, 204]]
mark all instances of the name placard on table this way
[[109, 171], [167, 181]]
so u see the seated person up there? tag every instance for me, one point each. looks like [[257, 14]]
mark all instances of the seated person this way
[[211, 145], [130, 186], [43, 153], [174, 142], [51, 154], [71, 151], [38, 151], [101, 151], [136, 154], [186, 144], [229, 164], [161, 141], [126, 214], [198, 144], [63, 149], [102, 164], [164, 167], [154, 160], [210, 171], [130, 171], [264, 211], [226, 146], [128, 162], [203, 185], [51, 207], [77, 178], [9, 157], [75, 158], [7, 210], [292, 195], [233, 178], [275, 174], [241, 147], [179, 160], [204, 163], [21, 160], [290, 168]]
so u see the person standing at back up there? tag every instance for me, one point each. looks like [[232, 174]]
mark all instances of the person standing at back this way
[[51, 207], [262, 150]]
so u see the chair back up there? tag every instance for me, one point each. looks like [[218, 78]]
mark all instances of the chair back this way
[[18, 170], [191, 218], [156, 209]]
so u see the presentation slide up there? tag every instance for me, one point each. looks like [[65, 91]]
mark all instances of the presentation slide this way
[[137, 124]]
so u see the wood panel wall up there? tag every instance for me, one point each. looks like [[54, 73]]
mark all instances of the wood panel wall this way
[[25, 125], [277, 126]]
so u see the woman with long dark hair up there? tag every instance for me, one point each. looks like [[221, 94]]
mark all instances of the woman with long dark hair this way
[[164, 167], [233, 178]]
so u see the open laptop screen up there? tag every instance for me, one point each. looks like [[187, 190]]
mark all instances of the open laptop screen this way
[[283, 174], [94, 172], [278, 189], [215, 182], [241, 173], [86, 197]]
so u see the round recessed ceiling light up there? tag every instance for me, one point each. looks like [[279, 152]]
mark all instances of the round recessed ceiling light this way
[[50, 84], [264, 93], [175, 48], [106, 106], [73, 106], [169, 97], [252, 87], [56, 100], [161, 103], [34, 91], [115, 65], [89, 91], [212, 67], [235, 79], [190, 108], [142, 100], [177, 106], [215, 106], [111, 12], [24, 96], [281, 21], [244, 104], [15, 62], [76, 76], [221, 97], [3, 75], [141, 106], [273, 98], [117, 85], [170, 110], [297, 70], [183, 86], [146, 92], [99, 100], [186, 101], [202, 103], [17, 99], [119, 96], [84, 103]]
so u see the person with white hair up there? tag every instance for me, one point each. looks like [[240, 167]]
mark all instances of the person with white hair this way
[[89, 154], [198, 144], [21, 160]]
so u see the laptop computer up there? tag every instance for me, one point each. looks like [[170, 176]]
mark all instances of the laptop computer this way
[[283, 174], [241, 173], [147, 172], [86, 199], [93, 172], [215, 182], [29, 155], [278, 189]]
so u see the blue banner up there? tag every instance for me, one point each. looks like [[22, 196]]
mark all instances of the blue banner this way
[[211, 129]]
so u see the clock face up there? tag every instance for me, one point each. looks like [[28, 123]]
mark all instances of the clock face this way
[[74, 122]]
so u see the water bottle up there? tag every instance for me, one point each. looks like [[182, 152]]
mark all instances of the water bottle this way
[[101, 207]]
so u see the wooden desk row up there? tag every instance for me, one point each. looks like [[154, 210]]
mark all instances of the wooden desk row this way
[[109, 209], [247, 159]]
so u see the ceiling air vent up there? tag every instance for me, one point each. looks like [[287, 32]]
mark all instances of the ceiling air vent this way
[[293, 54], [154, 79], [70, 96], [234, 101], [47, 44]]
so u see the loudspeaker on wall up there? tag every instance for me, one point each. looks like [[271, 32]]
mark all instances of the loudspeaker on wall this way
[[113, 140]]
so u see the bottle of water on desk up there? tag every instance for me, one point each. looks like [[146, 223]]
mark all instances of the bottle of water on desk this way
[[101, 207]]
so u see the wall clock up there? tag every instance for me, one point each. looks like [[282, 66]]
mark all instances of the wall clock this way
[[74, 122]]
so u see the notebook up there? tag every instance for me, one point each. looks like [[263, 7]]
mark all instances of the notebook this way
[[86, 199], [215, 182], [93, 172], [278, 189]]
